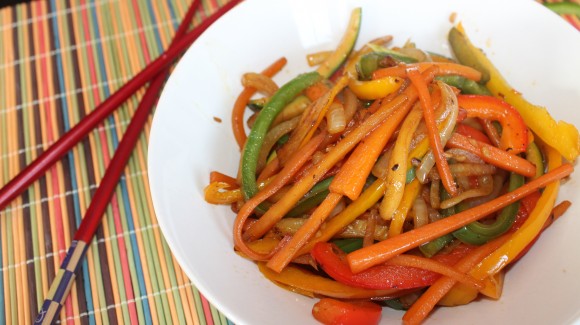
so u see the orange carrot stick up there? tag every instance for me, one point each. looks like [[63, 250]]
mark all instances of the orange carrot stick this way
[[423, 306], [306, 231], [352, 176], [269, 170], [433, 131], [242, 100], [316, 91], [437, 267], [493, 155], [285, 175], [381, 252], [444, 68], [216, 176]]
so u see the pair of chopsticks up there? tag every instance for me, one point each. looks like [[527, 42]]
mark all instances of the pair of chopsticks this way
[[156, 74]]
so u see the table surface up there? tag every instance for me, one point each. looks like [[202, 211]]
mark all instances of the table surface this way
[[58, 60]]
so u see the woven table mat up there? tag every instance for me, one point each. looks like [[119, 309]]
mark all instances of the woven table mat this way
[[58, 60]]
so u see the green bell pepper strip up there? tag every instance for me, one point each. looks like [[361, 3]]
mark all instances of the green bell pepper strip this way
[[477, 233], [564, 8], [433, 247], [311, 199], [279, 100], [467, 86], [348, 245]]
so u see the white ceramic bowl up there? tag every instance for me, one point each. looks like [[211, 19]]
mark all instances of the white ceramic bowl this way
[[535, 50]]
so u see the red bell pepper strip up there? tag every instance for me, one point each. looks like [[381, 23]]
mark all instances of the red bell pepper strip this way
[[472, 133], [379, 277], [334, 312], [514, 136]]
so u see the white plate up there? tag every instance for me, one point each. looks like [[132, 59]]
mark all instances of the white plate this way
[[535, 49]]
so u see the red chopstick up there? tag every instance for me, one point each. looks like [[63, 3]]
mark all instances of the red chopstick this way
[[59, 289], [57, 150]]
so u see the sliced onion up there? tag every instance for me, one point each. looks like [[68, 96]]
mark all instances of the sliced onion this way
[[350, 105], [465, 169], [461, 155], [272, 137], [335, 118], [356, 229], [450, 100], [498, 181], [434, 194], [380, 168], [261, 82], [485, 189], [369, 237], [421, 216]]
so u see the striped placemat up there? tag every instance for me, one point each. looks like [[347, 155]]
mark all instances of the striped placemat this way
[[58, 60]]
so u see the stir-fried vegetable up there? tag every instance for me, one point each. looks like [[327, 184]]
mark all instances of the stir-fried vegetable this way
[[392, 172]]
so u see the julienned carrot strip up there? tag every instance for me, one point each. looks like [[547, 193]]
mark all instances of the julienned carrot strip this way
[[306, 231], [493, 155], [316, 91], [285, 175], [311, 118], [444, 68], [216, 176], [425, 263], [427, 301], [242, 101], [352, 176], [433, 131], [340, 84], [314, 174], [381, 252], [269, 170]]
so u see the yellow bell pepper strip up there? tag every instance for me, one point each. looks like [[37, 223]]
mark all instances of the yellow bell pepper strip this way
[[397, 167], [409, 195], [562, 136], [375, 89], [307, 281], [528, 231], [514, 135]]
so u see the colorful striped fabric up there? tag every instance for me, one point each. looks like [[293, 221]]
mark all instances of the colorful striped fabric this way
[[58, 60]]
